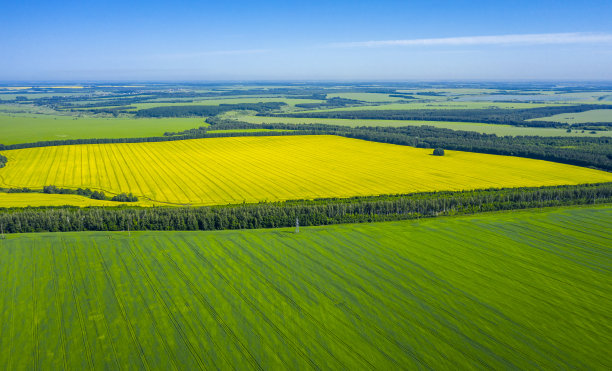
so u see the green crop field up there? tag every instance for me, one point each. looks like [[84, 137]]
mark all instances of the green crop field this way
[[597, 115], [522, 290], [501, 130], [27, 129], [441, 105]]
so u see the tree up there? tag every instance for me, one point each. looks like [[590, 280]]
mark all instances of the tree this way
[[438, 152]]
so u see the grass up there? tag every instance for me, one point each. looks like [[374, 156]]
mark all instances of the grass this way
[[597, 115], [41, 199], [27, 129], [521, 290], [253, 169], [501, 130]]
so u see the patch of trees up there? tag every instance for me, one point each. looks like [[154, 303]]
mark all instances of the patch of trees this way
[[438, 152], [86, 192], [200, 111], [517, 117], [3, 161], [308, 212]]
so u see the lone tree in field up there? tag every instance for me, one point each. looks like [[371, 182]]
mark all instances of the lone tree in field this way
[[438, 152]]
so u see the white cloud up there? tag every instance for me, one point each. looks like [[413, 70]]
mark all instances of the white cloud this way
[[525, 39]]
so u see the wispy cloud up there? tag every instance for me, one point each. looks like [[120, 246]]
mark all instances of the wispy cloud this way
[[525, 39]]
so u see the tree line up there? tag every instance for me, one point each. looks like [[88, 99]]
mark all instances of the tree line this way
[[516, 117], [85, 192], [308, 212], [200, 111], [3, 160]]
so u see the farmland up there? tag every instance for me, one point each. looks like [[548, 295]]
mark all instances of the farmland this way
[[599, 115], [41, 199], [517, 290], [27, 129], [501, 130], [254, 169]]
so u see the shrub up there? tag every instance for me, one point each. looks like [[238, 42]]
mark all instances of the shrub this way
[[438, 152]]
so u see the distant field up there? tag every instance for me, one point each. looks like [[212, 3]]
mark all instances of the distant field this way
[[41, 199], [254, 169], [439, 105], [598, 115], [366, 97], [215, 102], [501, 130], [522, 290], [27, 129]]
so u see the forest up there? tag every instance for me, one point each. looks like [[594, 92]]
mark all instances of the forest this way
[[306, 212], [488, 116]]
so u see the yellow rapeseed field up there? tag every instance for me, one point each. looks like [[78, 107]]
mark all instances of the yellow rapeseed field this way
[[41, 199], [233, 170]]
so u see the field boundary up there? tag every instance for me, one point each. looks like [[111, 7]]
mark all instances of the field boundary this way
[[306, 212]]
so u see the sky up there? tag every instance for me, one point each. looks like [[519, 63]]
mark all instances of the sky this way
[[305, 40]]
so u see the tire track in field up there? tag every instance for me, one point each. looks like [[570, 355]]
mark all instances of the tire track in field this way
[[427, 305], [138, 179], [298, 160], [149, 179], [213, 312], [106, 158], [58, 307], [122, 165], [397, 308], [170, 354], [190, 172], [304, 279], [13, 311], [122, 310], [242, 167], [145, 269], [438, 281], [80, 310], [212, 174], [220, 183], [161, 176], [287, 298], [169, 174], [444, 322], [34, 317]]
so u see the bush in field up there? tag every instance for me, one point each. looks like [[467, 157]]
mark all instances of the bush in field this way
[[125, 198], [98, 195], [438, 152]]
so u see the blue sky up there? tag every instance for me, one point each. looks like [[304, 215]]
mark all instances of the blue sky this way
[[305, 40]]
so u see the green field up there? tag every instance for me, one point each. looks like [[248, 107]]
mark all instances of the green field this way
[[521, 290], [501, 130], [597, 115], [27, 129], [440, 105]]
